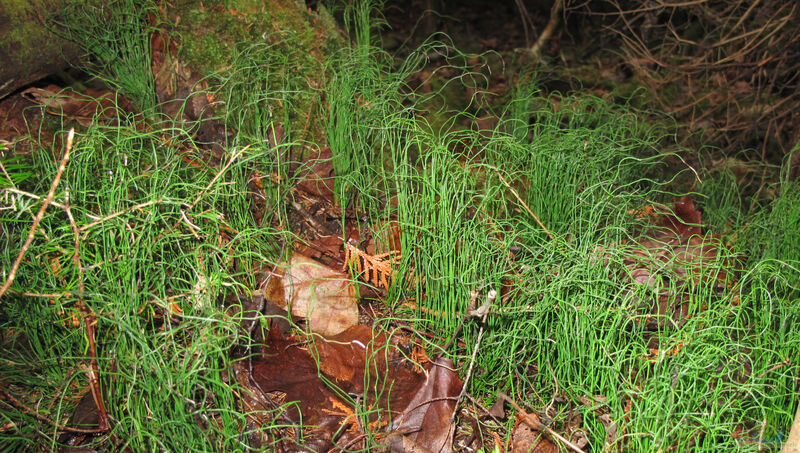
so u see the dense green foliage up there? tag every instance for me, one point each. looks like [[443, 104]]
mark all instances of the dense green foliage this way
[[571, 328]]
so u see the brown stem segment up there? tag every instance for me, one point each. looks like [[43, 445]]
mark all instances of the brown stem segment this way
[[40, 214], [94, 373]]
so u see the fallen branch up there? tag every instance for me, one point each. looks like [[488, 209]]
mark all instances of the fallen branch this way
[[5, 395], [555, 10], [40, 214], [536, 424]]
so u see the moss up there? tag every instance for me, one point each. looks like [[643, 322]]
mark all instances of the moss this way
[[210, 31], [23, 39], [16, 14], [632, 93], [208, 35], [213, 34]]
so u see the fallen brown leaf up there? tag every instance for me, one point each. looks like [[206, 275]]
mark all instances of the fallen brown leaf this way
[[325, 297], [425, 424], [529, 440], [357, 362]]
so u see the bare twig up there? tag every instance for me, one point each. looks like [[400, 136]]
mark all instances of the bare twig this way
[[555, 11], [26, 409], [192, 227], [503, 180], [472, 297], [219, 174], [40, 214], [117, 214], [94, 373], [202, 193], [10, 181], [527, 22], [536, 424], [490, 297], [775, 367], [76, 256], [655, 7], [30, 195], [42, 295], [483, 408]]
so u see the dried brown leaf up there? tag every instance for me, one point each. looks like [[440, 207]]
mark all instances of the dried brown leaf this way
[[81, 107], [684, 220], [529, 440], [324, 296]]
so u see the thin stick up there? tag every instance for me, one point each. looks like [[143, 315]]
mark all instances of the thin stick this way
[[503, 180], [473, 296], [549, 29], [785, 362], [117, 214], [94, 373], [10, 181], [42, 295], [215, 178], [76, 256], [490, 297], [5, 395], [483, 408], [40, 214], [30, 195], [533, 423], [202, 193]]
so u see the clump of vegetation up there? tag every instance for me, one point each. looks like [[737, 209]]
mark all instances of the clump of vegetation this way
[[612, 305], [116, 38]]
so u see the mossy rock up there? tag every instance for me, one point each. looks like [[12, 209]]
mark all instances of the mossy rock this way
[[30, 51], [215, 37], [210, 32]]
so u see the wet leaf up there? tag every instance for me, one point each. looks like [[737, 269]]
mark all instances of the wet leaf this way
[[684, 220], [85, 415], [425, 424], [675, 259], [84, 108], [316, 178], [357, 362], [288, 368]]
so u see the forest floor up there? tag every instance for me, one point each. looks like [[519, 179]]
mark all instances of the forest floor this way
[[436, 239]]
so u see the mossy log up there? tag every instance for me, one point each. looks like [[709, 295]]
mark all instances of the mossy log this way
[[29, 50], [208, 33]]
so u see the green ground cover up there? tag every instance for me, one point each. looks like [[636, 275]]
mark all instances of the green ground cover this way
[[541, 207]]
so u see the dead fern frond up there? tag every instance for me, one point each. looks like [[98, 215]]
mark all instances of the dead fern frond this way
[[375, 269]]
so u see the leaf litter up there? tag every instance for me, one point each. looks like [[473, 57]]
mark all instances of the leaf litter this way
[[316, 382], [340, 381]]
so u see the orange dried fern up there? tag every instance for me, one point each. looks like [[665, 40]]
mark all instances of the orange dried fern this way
[[375, 269]]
